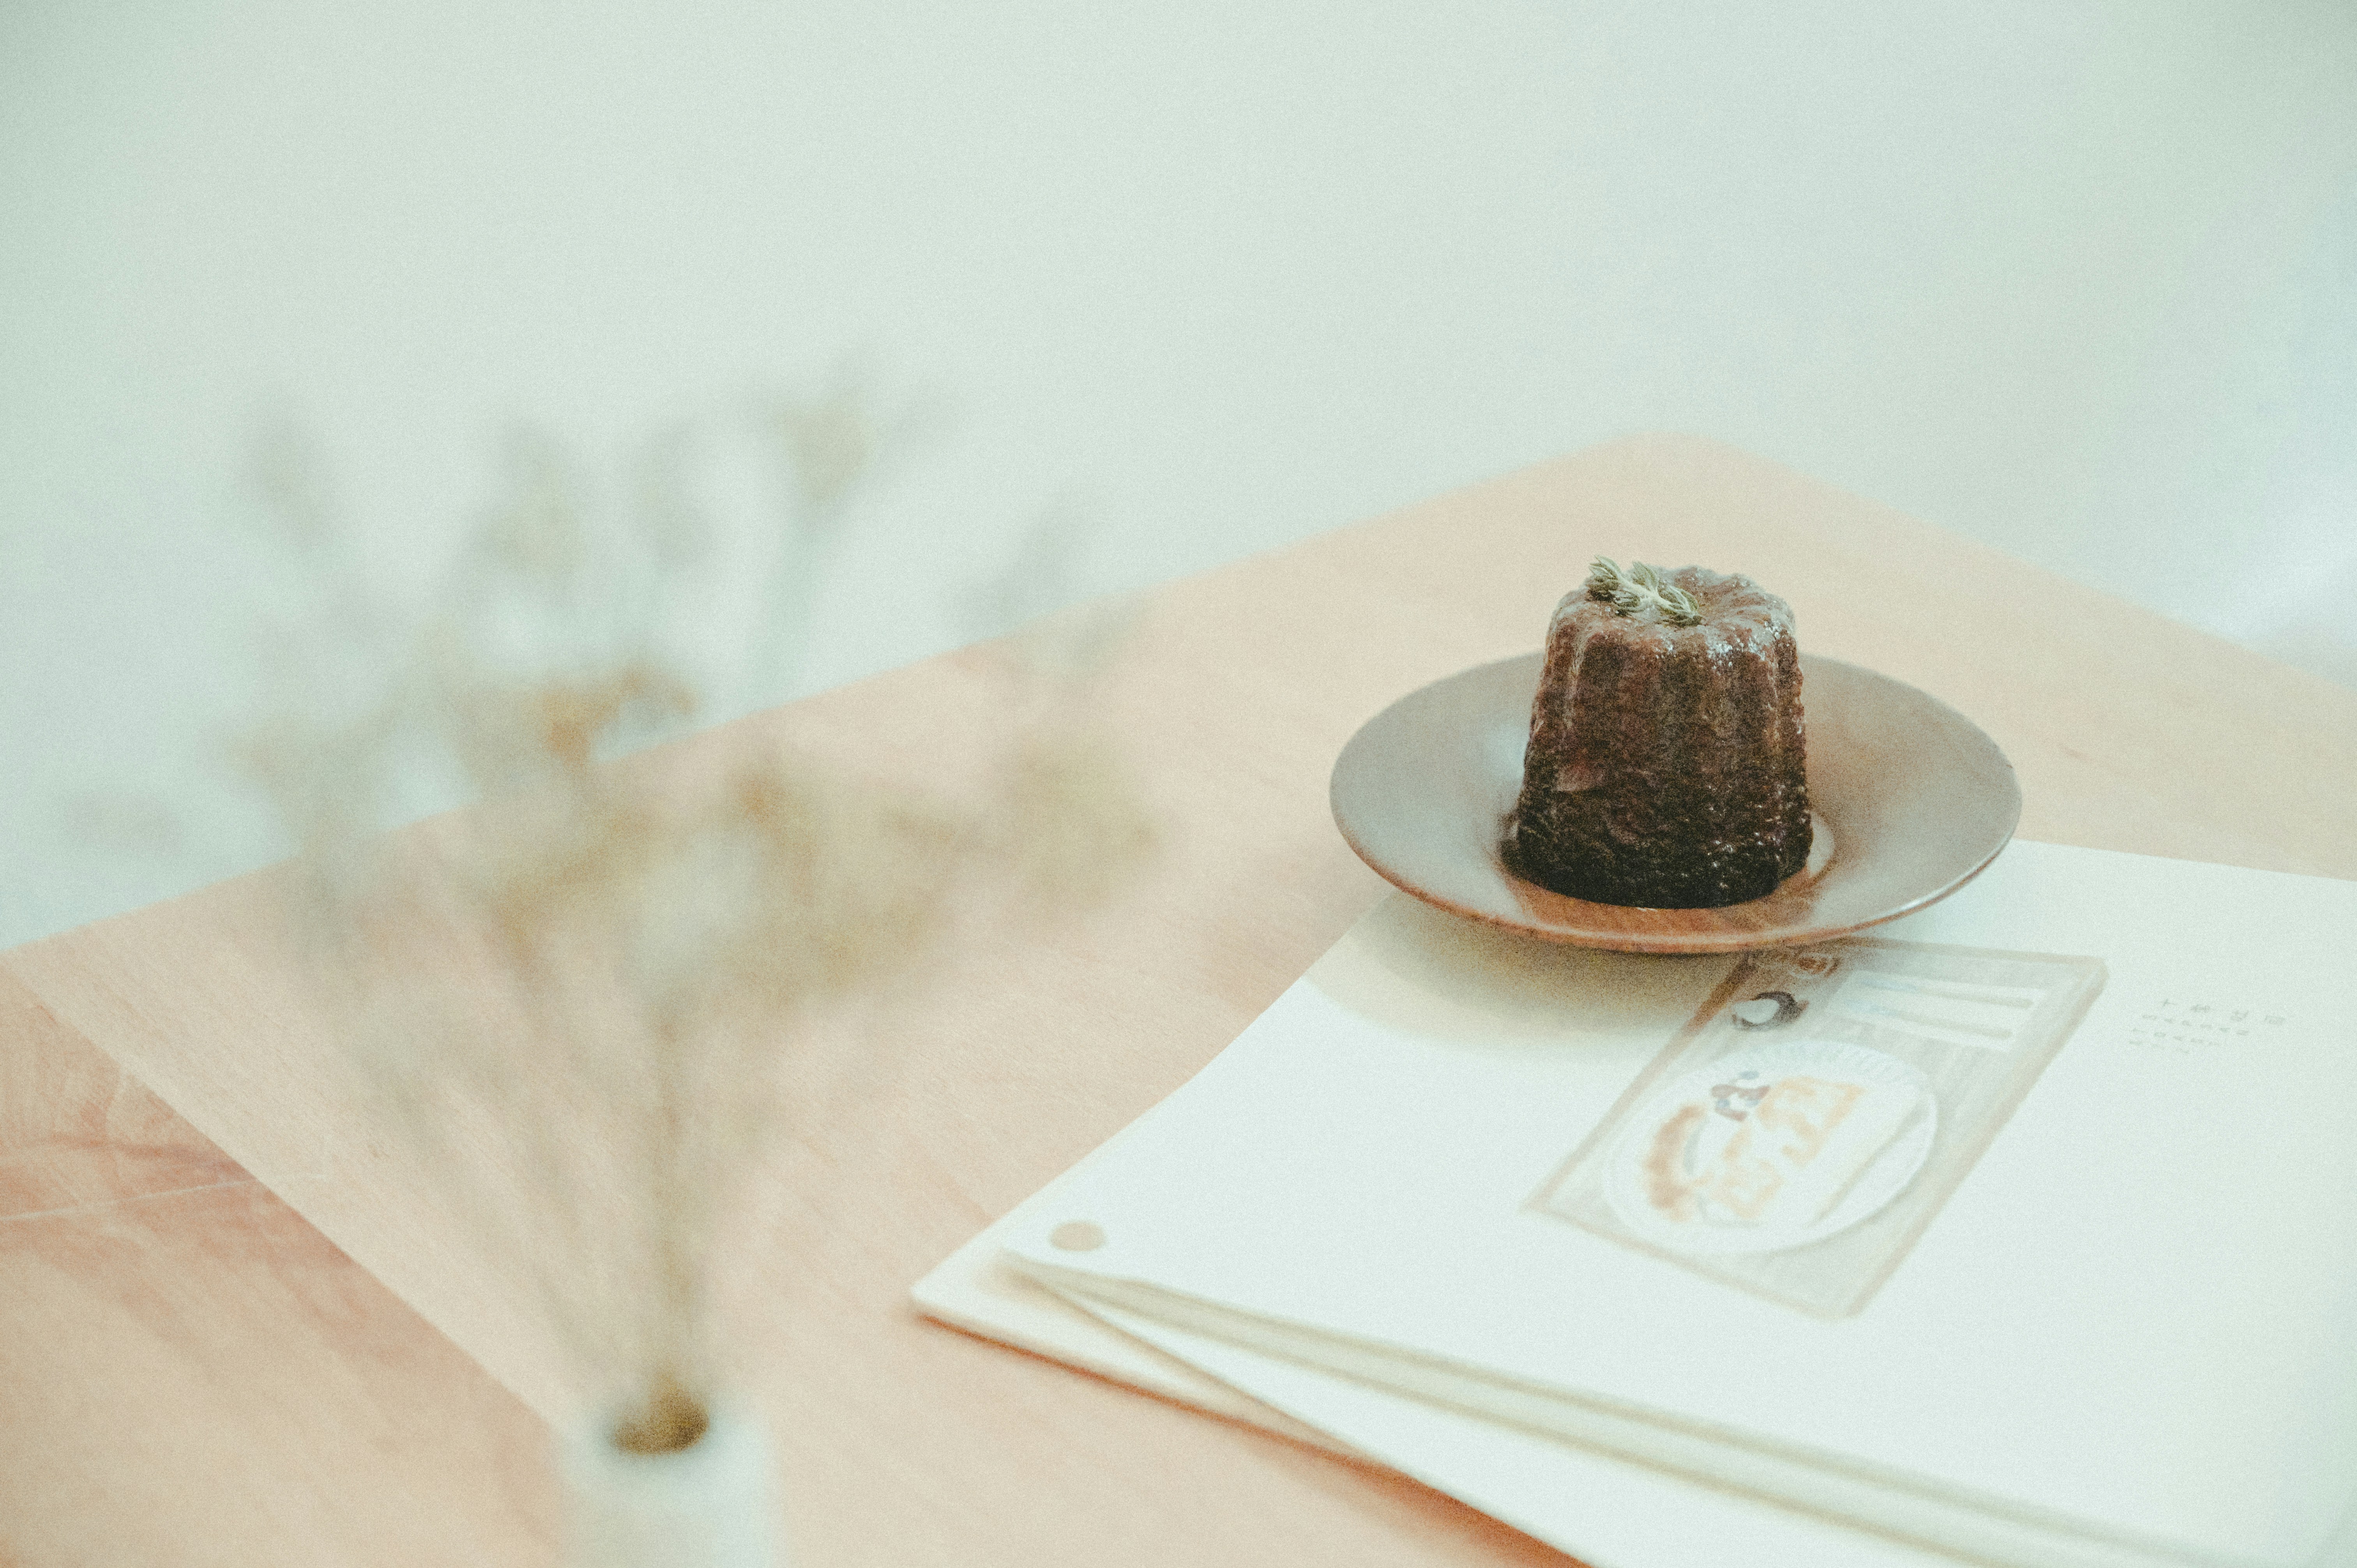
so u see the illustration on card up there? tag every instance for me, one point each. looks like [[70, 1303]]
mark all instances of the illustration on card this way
[[1802, 1131]]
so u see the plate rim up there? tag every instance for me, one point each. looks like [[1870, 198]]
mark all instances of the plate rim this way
[[1665, 943]]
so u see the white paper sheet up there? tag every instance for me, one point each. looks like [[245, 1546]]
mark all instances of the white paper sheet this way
[[2127, 1336], [1604, 1511]]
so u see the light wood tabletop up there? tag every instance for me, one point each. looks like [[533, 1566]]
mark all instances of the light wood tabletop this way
[[236, 1327]]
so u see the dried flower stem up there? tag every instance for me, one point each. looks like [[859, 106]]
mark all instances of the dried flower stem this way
[[582, 998]]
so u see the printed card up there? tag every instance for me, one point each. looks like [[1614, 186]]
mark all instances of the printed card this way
[[1804, 1128]]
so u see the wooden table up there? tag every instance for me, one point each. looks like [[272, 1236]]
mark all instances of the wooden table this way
[[234, 1329]]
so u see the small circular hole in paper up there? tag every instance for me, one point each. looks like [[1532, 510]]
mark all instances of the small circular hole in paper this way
[[1077, 1236]]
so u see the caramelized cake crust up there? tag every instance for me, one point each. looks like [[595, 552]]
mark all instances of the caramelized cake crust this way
[[1666, 765]]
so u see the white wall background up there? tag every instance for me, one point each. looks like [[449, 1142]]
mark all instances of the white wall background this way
[[2077, 277]]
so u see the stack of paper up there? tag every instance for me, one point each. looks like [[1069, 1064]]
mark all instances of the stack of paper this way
[[2021, 1231]]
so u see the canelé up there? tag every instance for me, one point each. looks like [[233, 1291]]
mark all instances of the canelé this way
[[1667, 761]]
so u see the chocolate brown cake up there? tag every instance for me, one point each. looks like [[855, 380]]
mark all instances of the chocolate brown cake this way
[[1665, 765]]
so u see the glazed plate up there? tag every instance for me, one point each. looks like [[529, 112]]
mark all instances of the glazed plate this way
[[1911, 801]]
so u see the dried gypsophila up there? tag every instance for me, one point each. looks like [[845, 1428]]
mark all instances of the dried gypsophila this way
[[578, 987]]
